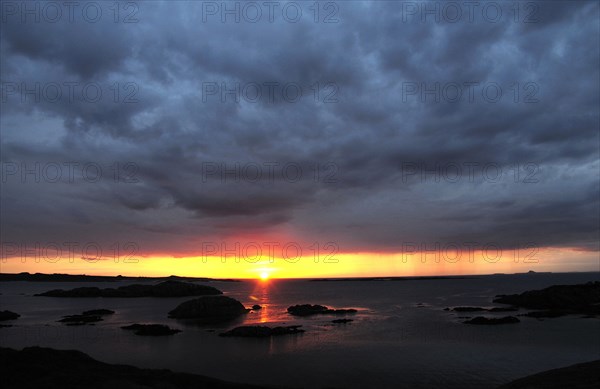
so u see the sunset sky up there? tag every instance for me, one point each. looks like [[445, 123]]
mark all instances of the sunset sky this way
[[366, 139]]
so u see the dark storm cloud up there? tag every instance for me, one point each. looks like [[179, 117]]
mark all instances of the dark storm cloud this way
[[193, 158]]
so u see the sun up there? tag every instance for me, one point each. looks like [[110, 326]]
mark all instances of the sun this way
[[264, 276]]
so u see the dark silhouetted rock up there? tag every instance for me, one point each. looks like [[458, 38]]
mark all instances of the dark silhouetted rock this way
[[480, 320], [261, 331], [209, 308], [545, 314], [562, 297], [35, 367], [468, 309], [503, 309], [99, 312], [341, 321], [164, 289], [308, 310], [8, 315], [151, 329], [580, 376], [80, 319], [256, 307]]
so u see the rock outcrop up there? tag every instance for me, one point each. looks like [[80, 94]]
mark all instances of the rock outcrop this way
[[163, 289], [36, 367], [209, 309], [87, 317], [309, 310], [8, 315], [261, 331], [151, 329], [558, 300], [480, 320]]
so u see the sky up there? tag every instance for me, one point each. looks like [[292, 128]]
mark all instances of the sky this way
[[300, 139]]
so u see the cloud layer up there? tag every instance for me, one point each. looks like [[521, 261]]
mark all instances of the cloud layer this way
[[410, 126]]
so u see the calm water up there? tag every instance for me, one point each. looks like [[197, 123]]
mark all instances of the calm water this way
[[392, 342]]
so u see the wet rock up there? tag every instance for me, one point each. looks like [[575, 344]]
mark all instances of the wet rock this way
[[99, 312], [8, 315], [151, 329], [341, 321], [567, 299], [309, 310], [80, 319], [209, 308], [261, 331], [480, 320], [468, 309], [256, 307]]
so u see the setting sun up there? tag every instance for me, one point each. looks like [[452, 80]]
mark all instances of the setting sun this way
[[264, 276]]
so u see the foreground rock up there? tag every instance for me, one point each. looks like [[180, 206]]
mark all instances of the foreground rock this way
[[309, 310], [87, 317], [99, 312], [164, 289], [209, 309], [480, 320], [35, 368], [580, 376], [151, 329], [341, 321], [558, 300], [261, 331], [8, 315]]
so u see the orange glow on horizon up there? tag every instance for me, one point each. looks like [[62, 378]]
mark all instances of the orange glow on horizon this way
[[342, 265]]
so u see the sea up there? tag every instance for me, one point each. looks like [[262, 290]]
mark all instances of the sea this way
[[401, 336]]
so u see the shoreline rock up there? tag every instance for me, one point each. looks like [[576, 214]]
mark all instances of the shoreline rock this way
[[37, 367], [480, 320], [151, 329], [582, 376], [261, 331], [209, 309], [309, 310], [87, 317], [8, 315], [558, 300]]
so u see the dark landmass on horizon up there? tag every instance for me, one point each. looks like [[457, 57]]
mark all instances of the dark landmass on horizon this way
[[61, 277]]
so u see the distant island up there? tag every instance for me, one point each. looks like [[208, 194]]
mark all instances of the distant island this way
[[59, 277]]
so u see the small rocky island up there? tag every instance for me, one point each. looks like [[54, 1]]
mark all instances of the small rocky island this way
[[309, 310], [261, 331], [87, 317], [8, 315], [163, 289], [151, 329], [480, 320], [209, 309], [558, 300]]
